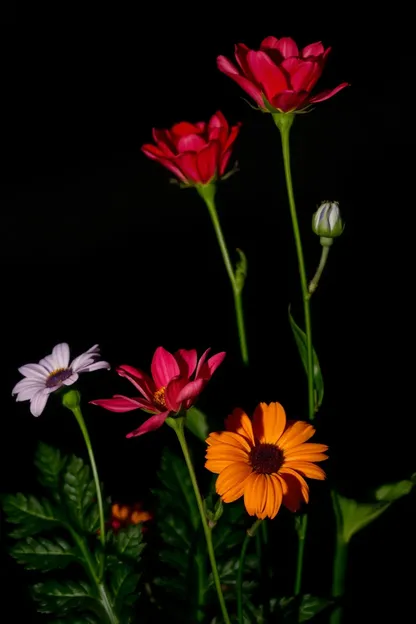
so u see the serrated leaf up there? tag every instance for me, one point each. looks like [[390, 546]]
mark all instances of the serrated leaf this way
[[79, 489], [43, 554], [303, 608], [59, 598], [50, 463], [175, 477], [301, 343], [353, 516], [128, 542], [123, 583], [196, 422], [393, 491], [32, 514]]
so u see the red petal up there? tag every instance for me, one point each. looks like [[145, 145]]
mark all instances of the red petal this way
[[267, 73], [150, 425], [313, 49], [218, 121], [139, 379], [224, 161], [201, 362], [208, 161], [214, 362], [118, 404], [240, 52], [190, 143], [328, 93], [187, 163], [289, 100], [153, 152], [186, 360], [149, 149], [162, 138], [232, 137], [294, 494], [269, 42], [184, 127], [304, 76], [191, 391], [172, 391], [287, 47], [230, 70], [164, 367]]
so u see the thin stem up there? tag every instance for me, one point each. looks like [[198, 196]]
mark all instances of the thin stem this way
[[339, 576], [178, 426], [76, 410], [207, 192], [301, 550], [313, 284], [249, 534]]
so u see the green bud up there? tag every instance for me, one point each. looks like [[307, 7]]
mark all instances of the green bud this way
[[71, 399], [213, 513], [327, 222]]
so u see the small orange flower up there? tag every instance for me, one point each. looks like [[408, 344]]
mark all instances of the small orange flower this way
[[265, 460], [124, 515]]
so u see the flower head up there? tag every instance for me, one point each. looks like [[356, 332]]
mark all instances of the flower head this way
[[327, 222], [265, 460], [123, 516], [196, 153], [177, 381], [280, 73], [53, 372]]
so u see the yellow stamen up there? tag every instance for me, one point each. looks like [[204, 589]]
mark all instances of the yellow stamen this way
[[159, 397]]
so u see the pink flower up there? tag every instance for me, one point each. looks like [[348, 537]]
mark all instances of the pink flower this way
[[196, 153], [280, 72], [169, 390]]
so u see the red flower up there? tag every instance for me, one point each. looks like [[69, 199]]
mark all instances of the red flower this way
[[124, 515], [170, 389], [280, 72], [195, 153]]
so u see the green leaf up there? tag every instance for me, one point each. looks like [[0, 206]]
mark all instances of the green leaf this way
[[128, 542], [353, 516], [32, 514], [308, 607], [123, 583], [79, 489], [59, 598], [175, 477], [393, 491], [196, 422], [43, 554], [301, 343], [50, 463]]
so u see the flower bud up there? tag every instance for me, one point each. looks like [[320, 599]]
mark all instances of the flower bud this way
[[327, 222]]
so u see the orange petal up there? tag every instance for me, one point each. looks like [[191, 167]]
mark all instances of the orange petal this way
[[250, 494], [296, 490], [296, 433], [269, 422], [240, 423], [275, 496], [306, 447], [306, 468], [115, 511], [230, 483], [228, 437], [262, 486], [225, 451]]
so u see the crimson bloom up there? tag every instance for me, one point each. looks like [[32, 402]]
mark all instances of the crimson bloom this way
[[280, 73], [195, 153], [177, 381]]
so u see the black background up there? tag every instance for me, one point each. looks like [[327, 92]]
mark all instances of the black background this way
[[97, 246]]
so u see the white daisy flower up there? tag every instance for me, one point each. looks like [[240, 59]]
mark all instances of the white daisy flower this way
[[53, 372]]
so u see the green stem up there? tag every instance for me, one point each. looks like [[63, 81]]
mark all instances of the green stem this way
[[101, 588], [339, 576], [178, 425], [301, 550], [207, 192], [313, 285], [249, 534]]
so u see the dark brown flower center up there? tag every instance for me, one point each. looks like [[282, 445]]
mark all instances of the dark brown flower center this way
[[57, 377], [159, 397], [266, 458]]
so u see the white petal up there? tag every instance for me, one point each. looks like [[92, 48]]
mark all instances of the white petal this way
[[29, 392], [50, 363], [26, 383], [79, 362], [34, 371], [70, 380], [60, 353], [95, 349], [38, 402], [96, 366]]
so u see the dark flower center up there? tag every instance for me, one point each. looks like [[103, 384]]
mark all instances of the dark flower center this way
[[266, 458], [57, 377], [159, 397]]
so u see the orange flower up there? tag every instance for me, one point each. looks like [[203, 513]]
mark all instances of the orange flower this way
[[124, 515], [265, 460]]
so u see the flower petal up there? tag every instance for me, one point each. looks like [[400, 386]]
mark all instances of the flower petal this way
[[240, 423], [154, 153], [205, 370], [296, 432], [27, 383], [252, 487], [307, 452], [60, 353], [267, 74], [308, 469], [38, 402], [152, 423], [289, 100], [48, 362], [164, 367], [29, 391], [191, 143], [275, 496], [313, 49], [293, 493], [118, 403], [34, 371], [207, 161], [328, 93], [140, 380], [186, 359], [228, 438], [191, 391], [287, 47], [226, 452], [94, 367], [172, 391], [231, 482], [269, 422], [70, 380], [249, 87]]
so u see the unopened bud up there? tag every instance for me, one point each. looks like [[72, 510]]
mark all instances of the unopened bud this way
[[327, 222]]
